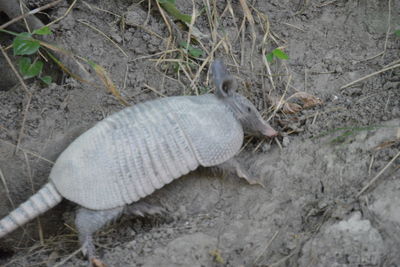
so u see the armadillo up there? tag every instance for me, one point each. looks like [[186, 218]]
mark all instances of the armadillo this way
[[132, 153]]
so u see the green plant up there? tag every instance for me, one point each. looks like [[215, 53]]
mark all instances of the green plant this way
[[170, 7], [186, 58], [278, 53], [192, 51], [397, 33], [24, 45]]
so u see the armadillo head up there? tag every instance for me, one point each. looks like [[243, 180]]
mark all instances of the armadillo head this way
[[242, 108]]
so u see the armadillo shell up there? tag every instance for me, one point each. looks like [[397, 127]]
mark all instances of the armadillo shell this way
[[132, 153]]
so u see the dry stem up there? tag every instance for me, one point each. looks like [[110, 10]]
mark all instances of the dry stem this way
[[32, 12], [373, 180], [369, 76]]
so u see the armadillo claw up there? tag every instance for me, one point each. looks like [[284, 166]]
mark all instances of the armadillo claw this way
[[143, 208], [97, 263], [248, 177]]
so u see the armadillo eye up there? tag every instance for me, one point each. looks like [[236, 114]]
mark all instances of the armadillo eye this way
[[248, 109]]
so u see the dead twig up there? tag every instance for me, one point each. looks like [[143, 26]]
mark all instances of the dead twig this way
[[281, 101], [250, 19], [61, 263], [266, 247], [154, 90], [205, 62], [278, 143], [264, 48], [326, 3], [3, 180], [100, 9], [28, 152], [388, 27], [65, 14], [191, 25], [15, 70], [373, 180], [294, 26], [279, 262], [32, 12], [104, 35], [21, 8], [26, 89], [369, 76], [167, 22], [125, 77]]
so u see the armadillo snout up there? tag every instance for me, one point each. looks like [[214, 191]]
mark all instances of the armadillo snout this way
[[269, 131]]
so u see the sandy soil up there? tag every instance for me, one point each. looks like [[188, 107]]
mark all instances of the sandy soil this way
[[307, 214]]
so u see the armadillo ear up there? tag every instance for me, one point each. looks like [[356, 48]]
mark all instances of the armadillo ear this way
[[225, 84]]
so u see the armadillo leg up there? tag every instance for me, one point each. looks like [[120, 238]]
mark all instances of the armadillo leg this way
[[88, 222], [142, 209], [234, 166]]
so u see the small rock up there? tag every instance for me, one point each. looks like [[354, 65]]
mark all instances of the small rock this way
[[115, 36], [285, 141], [132, 244], [354, 241], [135, 17], [147, 249], [265, 147], [338, 69]]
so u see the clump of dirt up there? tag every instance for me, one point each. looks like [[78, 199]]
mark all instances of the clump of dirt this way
[[310, 211], [349, 242]]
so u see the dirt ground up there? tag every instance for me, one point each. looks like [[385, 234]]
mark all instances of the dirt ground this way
[[310, 211]]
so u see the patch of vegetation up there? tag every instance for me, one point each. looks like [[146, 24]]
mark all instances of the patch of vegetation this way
[[170, 7], [192, 51], [276, 53], [24, 45]]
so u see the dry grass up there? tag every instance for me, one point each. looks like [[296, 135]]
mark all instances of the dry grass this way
[[377, 176]]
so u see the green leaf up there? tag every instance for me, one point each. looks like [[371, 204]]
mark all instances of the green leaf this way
[[196, 52], [43, 31], [167, 1], [24, 63], [46, 79], [92, 63], [175, 67], [280, 54], [24, 34], [170, 7], [192, 51], [36, 68], [23, 44], [184, 44], [397, 33], [270, 57], [29, 70]]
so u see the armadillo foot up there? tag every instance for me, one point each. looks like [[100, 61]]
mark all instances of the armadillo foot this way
[[88, 250], [88, 222], [233, 166], [142, 209], [97, 263], [248, 177]]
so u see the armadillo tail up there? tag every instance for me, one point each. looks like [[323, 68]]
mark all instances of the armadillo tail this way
[[46, 198]]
